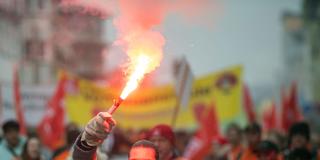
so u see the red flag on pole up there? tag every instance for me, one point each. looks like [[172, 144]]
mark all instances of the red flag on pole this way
[[269, 117], [17, 100], [1, 103], [290, 108], [293, 102], [248, 105], [200, 145], [284, 106], [51, 128]]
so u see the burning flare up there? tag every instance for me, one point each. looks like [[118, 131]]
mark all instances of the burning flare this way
[[144, 49], [139, 40], [136, 76], [141, 63]]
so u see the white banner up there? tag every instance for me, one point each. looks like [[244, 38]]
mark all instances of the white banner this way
[[34, 100]]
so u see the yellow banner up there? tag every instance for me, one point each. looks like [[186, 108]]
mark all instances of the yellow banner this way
[[143, 109], [222, 90], [147, 107]]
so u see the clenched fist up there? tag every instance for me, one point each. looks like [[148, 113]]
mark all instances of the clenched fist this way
[[98, 129]]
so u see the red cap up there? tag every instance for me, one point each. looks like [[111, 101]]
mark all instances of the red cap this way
[[162, 130]]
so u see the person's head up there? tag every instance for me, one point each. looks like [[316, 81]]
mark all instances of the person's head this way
[[300, 154], [234, 134], [11, 130], [253, 135], [163, 137], [267, 150], [31, 149], [277, 138], [299, 135], [72, 133], [143, 150], [181, 141]]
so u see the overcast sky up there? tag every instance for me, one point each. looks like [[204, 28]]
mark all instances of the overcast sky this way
[[247, 32]]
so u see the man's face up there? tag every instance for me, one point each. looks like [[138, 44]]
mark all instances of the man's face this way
[[163, 144], [268, 156], [298, 141], [12, 137], [233, 136], [33, 148], [253, 138], [142, 153]]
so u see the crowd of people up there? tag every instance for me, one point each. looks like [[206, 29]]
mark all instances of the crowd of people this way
[[102, 140]]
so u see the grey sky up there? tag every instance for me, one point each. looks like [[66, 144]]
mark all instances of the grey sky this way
[[247, 32]]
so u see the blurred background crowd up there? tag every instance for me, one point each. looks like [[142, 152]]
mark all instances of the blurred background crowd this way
[[237, 81], [248, 143]]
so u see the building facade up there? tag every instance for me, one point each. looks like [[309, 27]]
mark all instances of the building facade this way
[[43, 37]]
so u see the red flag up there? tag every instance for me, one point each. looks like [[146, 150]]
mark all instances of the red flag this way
[[200, 145], [197, 148], [269, 117], [290, 108], [17, 101], [284, 109], [248, 105], [51, 128], [294, 104], [1, 103]]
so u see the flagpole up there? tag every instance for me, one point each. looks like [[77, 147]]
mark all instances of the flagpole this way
[[1, 102], [17, 100], [182, 83], [175, 112]]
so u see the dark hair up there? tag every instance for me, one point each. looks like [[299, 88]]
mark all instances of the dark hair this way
[[234, 126], [10, 125], [299, 128], [24, 154], [72, 132], [253, 128], [300, 154], [267, 146], [147, 144]]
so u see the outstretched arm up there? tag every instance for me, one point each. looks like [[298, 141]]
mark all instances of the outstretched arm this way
[[95, 132]]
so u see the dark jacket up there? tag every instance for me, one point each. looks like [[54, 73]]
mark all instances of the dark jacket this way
[[82, 151]]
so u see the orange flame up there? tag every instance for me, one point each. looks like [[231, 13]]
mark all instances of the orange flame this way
[[136, 35], [145, 52], [136, 76]]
